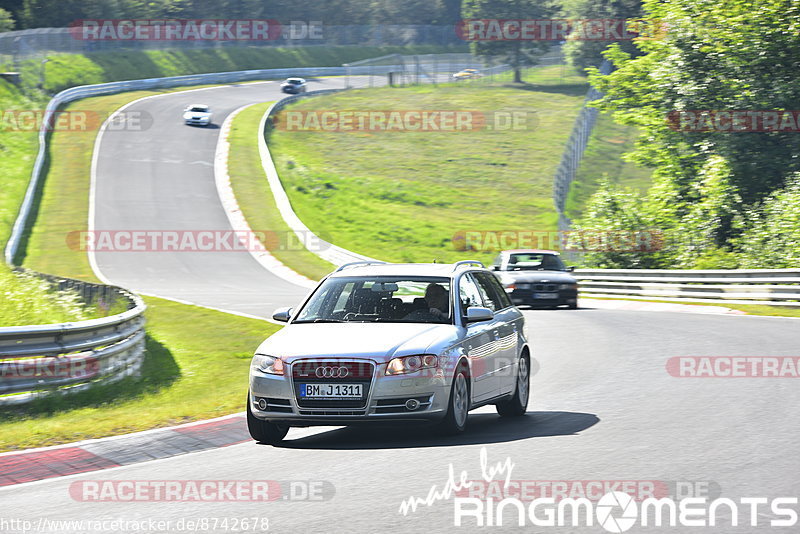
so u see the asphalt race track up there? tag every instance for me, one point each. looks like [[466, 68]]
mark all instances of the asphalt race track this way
[[603, 408], [162, 178]]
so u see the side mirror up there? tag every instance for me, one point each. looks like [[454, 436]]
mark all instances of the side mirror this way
[[495, 267], [282, 314], [477, 314], [571, 269]]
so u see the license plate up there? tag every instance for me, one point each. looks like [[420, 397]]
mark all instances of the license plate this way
[[331, 391], [545, 295]]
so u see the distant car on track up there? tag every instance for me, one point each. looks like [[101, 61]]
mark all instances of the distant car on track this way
[[379, 342], [536, 278], [294, 86], [197, 114], [467, 74]]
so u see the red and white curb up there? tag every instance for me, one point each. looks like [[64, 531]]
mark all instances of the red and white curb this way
[[97, 454]]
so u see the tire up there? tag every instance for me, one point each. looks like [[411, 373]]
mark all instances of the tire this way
[[573, 306], [517, 405], [264, 431], [455, 422]]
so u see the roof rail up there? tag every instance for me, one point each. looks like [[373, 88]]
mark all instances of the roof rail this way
[[457, 264], [354, 263]]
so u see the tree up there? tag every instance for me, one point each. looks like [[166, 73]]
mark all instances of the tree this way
[[517, 53], [726, 55], [6, 21], [589, 53]]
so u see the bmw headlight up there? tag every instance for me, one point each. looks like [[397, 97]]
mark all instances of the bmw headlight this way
[[568, 286], [411, 364], [267, 364]]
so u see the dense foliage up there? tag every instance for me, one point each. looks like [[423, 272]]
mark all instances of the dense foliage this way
[[716, 193]]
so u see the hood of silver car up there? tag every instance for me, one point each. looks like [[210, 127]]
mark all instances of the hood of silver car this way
[[377, 341], [555, 277]]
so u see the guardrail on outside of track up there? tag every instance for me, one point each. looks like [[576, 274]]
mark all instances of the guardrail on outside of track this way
[[41, 359], [777, 287]]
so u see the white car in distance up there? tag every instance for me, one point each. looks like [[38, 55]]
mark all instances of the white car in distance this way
[[197, 115]]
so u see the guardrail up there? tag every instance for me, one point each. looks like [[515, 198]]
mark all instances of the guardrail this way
[[42, 359], [777, 287]]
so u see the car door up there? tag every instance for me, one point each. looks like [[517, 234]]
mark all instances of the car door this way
[[506, 333], [480, 343]]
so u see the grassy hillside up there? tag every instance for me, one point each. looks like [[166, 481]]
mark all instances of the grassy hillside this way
[[402, 195]]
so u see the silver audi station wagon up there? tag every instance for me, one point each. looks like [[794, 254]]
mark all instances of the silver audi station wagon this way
[[392, 342]]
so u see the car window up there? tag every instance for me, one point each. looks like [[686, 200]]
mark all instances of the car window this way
[[490, 286], [411, 299], [468, 293], [489, 299], [530, 261]]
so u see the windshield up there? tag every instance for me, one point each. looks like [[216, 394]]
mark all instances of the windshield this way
[[201, 109], [388, 299], [294, 81], [535, 262]]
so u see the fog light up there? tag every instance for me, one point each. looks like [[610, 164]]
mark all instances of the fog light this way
[[412, 404], [262, 404]]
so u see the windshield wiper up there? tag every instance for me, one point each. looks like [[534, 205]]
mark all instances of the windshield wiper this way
[[319, 321]]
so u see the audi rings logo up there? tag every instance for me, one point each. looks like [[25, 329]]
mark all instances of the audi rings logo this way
[[332, 372]]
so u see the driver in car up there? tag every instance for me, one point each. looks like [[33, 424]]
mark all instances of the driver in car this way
[[438, 310]]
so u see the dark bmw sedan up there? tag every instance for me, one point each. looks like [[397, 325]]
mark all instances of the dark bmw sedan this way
[[536, 278]]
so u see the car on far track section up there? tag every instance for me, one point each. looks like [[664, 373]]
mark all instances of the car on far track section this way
[[294, 86], [536, 278], [197, 115]]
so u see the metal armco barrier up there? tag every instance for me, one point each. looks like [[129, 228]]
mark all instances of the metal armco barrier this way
[[42, 359], [778, 287]]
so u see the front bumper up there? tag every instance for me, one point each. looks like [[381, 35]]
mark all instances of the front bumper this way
[[543, 297], [384, 398]]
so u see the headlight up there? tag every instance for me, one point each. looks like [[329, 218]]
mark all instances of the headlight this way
[[267, 364], [410, 364], [568, 286]]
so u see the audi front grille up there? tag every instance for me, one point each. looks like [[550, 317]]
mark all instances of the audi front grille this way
[[330, 371]]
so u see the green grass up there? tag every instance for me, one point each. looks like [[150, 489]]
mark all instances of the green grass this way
[[17, 154], [402, 196], [603, 159], [189, 373], [256, 201], [30, 300]]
